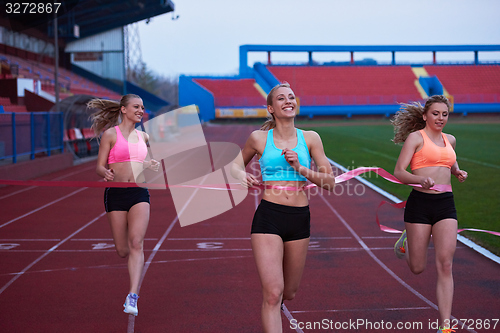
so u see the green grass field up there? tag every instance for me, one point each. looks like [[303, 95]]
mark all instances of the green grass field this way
[[368, 143]]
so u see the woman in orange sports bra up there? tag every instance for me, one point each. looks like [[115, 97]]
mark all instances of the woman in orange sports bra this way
[[431, 156], [122, 155]]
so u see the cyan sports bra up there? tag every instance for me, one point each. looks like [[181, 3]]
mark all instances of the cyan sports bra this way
[[273, 165], [433, 155], [124, 151]]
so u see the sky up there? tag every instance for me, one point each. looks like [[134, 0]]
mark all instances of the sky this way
[[205, 38]]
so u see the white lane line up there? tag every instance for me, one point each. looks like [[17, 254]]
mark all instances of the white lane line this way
[[284, 309], [52, 249], [58, 178], [42, 207], [246, 238], [30, 240], [380, 263], [131, 318], [325, 249], [290, 318], [17, 192], [102, 239], [365, 310], [374, 152], [208, 238], [123, 265], [478, 162], [488, 254]]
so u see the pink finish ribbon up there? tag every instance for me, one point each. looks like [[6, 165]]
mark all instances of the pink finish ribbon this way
[[339, 179], [101, 184], [402, 205], [354, 173]]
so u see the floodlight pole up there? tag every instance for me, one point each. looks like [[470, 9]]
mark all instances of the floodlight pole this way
[[124, 44], [56, 65]]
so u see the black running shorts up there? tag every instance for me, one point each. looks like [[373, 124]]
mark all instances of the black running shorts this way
[[290, 223], [122, 199], [429, 208]]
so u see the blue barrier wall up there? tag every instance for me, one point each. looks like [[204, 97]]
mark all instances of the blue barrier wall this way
[[192, 93], [30, 133]]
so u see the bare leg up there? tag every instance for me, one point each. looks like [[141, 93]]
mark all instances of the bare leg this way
[[138, 219], [293, 266], [418, 237], [119, 229], [444, 237], [268, 254]]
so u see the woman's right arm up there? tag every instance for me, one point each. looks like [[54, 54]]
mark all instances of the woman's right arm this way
[[410, 146], [102, 157], [246, 155]]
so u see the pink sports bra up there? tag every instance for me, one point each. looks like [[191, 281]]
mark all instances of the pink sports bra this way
[[124, 151]]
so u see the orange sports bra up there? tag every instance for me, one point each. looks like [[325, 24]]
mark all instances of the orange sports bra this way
[[432, 155], [124, 151]]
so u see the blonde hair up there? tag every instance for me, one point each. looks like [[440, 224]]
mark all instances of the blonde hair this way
[[108, 113], [271, 122], [409, 118]]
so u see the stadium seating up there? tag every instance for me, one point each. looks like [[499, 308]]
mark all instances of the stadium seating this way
[[233, 93], [349, 85], [15, 108], [469, 83], [69, 82], [5, 101]]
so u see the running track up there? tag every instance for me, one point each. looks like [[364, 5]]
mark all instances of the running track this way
[[59, 271]]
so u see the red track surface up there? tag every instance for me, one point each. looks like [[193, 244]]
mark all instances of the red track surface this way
[[61, 273]]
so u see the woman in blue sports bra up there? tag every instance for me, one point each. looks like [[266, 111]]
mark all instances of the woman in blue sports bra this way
[[281, 224]]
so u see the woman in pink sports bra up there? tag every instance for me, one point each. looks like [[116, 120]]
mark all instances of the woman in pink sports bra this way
[[431, 156], [122, 154]]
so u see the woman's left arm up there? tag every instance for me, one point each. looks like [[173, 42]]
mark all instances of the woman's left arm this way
[[455, 169], [323, 177], [151, 164]]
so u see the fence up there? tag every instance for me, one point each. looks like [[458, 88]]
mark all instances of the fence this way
[[30, 133]]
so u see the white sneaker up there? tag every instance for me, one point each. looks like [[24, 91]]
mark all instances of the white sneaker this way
[[131, 304]]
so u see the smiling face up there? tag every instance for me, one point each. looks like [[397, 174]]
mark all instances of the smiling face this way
[[436, 116], [134, 110], [284, 104]]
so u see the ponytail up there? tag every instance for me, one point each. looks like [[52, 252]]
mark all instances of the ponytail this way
[[108, 114], [269, 124], [409, 118]]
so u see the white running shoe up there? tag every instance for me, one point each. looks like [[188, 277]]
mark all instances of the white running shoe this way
[[131, 304]]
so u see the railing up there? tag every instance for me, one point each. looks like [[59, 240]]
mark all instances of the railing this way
[[357, 99], [476, 98], [391, 99], [30, 133], [229, 101]]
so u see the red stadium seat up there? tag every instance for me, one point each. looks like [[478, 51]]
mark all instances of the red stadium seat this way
[[233, 93], [351, 85]]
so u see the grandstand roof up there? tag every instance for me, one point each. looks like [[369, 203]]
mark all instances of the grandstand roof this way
[[95, 16]]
